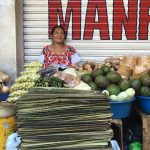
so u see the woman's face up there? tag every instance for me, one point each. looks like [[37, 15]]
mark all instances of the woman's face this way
[[58, 36]]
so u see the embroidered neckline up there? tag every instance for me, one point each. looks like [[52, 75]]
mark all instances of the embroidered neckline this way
[[54, 52]]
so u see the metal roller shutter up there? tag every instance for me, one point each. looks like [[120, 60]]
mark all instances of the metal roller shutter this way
[[36, 34]]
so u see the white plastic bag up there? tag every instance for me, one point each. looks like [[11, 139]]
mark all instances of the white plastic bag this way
[[115, 145], [13, 142]]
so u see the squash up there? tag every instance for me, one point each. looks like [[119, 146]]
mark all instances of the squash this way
[[113, 97], [122, 96], [130, 92]]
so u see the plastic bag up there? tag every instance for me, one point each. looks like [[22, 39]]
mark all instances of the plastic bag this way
[[124, 71], [130, 60], [144, 61], [139, 69], [83, 86], [13, 142], [115, 145], [135, 146]]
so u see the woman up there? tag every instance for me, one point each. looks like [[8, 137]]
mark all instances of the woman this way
[[58, 53]]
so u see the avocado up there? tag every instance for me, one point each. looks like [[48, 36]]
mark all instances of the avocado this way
[[96, 72], [106, 69], [113, 89], [93, 85], [114, 77], [145, 80], [102, 82], [86, 78], [136, 85], [145, 91], [124, 84]]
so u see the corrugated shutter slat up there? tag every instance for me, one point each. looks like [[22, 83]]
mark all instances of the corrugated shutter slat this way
[[36, 34]]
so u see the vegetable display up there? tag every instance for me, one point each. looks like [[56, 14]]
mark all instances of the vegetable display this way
[[5, 89], [123, 96], [47, 72], [102, 77], [4, 80], [55, 82], [87, 67], [69, 77], [141, 85], [25, 81], [110, 83], [49, 82]]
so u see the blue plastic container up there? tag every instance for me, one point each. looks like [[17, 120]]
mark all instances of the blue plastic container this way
[[3, 96], [121, 109], [144, 103]]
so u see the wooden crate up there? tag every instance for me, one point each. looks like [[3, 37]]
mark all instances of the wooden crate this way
[[146, 130]]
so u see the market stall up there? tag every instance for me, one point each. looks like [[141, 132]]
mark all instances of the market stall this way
[[90, 95], [68, 115], [60, 118]]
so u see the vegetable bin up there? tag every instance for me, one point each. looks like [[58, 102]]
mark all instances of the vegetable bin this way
[[144, 103], [121, 109], [3, 96]]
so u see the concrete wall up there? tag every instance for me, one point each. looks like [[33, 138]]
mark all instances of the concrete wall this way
[[8, 42]]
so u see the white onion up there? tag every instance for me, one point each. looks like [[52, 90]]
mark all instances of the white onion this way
[[5, 89], [5, 77]]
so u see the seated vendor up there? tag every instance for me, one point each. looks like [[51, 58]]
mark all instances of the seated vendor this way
[[58, 53]]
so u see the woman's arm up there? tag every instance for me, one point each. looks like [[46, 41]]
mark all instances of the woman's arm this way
[[75, 59], [41, 58]]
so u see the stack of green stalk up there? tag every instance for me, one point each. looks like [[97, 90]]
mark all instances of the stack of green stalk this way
[[63, 119]]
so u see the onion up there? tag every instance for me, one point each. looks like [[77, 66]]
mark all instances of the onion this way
[[5, 77], [5, 89]]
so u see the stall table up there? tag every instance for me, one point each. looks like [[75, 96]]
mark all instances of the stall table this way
[[145, 129]]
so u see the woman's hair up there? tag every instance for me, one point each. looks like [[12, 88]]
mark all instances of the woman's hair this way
[[58, 26]]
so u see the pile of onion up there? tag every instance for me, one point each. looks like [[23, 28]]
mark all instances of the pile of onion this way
[[4, 78]]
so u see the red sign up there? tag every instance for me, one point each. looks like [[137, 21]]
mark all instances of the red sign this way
[[129, 21]]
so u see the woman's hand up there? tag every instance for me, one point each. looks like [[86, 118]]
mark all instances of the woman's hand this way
[[55, 64]]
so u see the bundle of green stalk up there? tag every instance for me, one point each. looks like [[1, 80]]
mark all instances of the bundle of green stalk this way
[[63, 119], [25, 81]]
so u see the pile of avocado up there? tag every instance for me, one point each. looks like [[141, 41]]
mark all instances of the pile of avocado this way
[[101, 78], [142, 85], [104, 78]]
